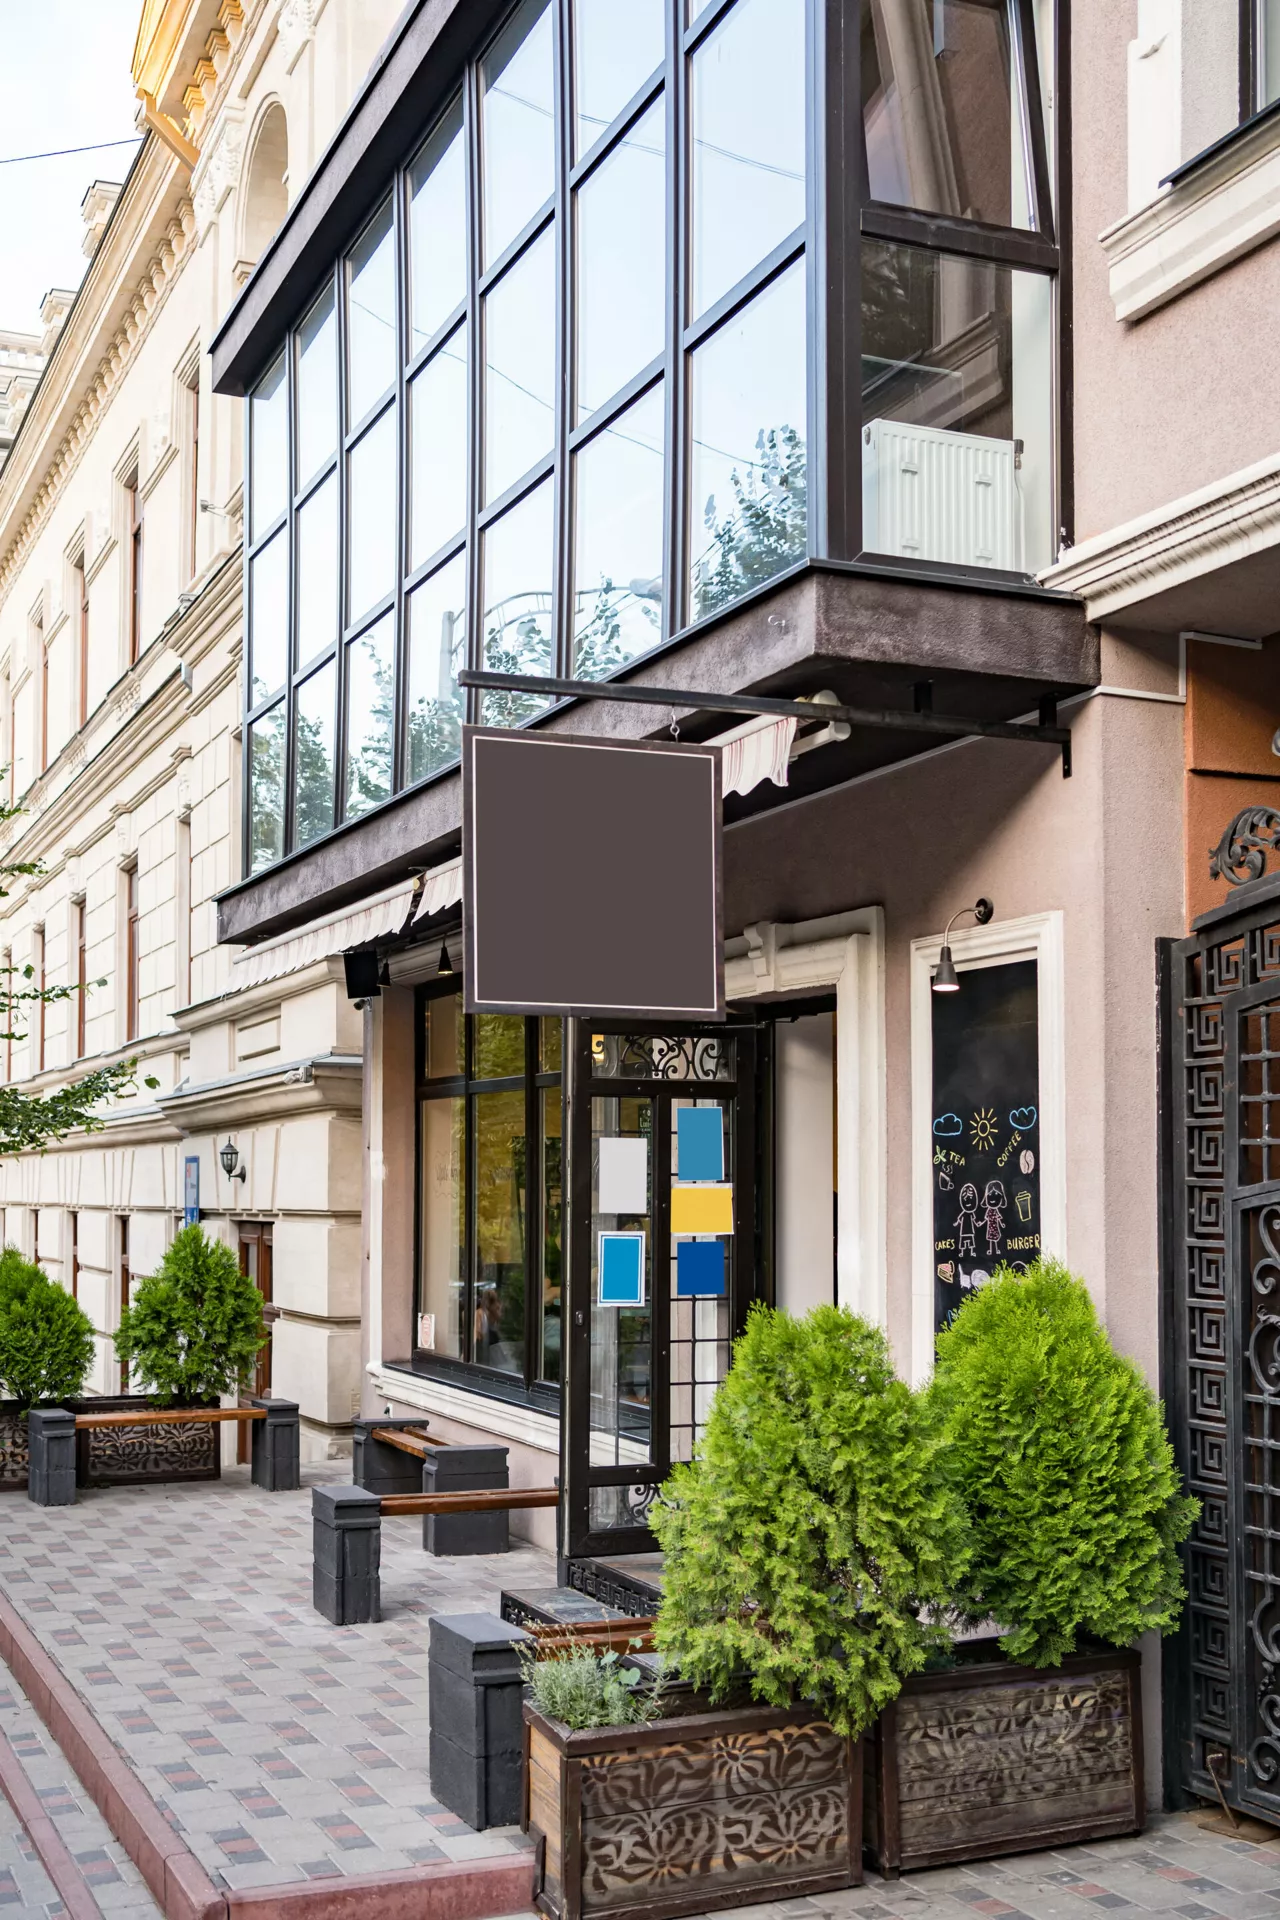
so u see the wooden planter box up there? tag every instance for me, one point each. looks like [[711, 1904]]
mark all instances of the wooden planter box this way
[[118, 1456], [710, 1809], [993, 1758]]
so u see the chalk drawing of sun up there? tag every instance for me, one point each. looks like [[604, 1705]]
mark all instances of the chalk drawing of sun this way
[[982, 1128]]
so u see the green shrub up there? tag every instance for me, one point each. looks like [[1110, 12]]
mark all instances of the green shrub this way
[[46, 1341], [584, 1689], [1065, 1467], [194, 1328], [814, 1529]]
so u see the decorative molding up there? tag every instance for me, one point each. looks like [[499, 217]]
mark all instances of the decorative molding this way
[[1222, 523], [844, 951], [1038, 937], [1241, 854], [1227, 206], [219, 168], [295, 28]]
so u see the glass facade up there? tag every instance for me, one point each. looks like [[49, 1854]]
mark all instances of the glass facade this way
[[572, 386], [490, 1134]]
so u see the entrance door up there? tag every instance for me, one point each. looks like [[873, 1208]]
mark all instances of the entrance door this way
[[662, 1260], [1221, 1219], [255, 1261]]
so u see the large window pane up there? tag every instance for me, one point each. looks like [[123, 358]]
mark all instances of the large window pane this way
[[748, 142], [437, 649], [443, 1226], [268, 441], [617, 600], [438, 449], [749, 497], [940, 109], [371, 316], [957, 407], [501, 1211], [313, 757], [622, 263], [615, 48], [437, 230], [318, 571], [497, 1048], [518, 558], [317, 387], [266, 789], [268, 618], [520, 367], [518, 126], [371, 699], [443, 1038], [371, 512]]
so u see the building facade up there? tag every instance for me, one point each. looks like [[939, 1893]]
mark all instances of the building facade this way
[[120, 664]]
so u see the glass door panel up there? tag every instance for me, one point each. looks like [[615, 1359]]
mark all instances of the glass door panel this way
[[621, 1303], [700, 1264]]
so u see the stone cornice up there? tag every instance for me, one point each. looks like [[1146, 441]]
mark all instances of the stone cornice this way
[[1204, 531], [1228, 204]]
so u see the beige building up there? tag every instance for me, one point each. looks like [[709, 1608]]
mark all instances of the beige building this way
[[120, 679]]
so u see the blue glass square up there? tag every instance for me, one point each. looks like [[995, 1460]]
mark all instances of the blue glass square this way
[[699, 1267], [621, 1269]]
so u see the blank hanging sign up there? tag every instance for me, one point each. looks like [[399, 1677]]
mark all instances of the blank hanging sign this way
[[624, 1177], [700, 1143], [621, 1269], [706, 1209], [699, 1267]]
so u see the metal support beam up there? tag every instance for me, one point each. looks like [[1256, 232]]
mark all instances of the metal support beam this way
[[952, 726]]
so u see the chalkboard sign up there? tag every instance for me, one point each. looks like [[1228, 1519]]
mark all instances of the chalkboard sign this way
[[985, 1131]]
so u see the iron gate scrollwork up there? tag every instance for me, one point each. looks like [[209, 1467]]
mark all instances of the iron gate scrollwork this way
[[1220, 1060]]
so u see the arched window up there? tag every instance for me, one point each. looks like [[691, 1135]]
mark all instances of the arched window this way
[[266, 194]]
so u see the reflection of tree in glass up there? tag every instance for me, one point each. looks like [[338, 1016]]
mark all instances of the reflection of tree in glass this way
[[516, 644], [435, 725], [313, 777], [598, 648], [765, 531], [369, 762], [266, 794]]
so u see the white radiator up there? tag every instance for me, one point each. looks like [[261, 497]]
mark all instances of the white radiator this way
[[929, 494]]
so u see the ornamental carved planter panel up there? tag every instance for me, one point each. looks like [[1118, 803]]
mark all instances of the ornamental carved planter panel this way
[[993, 1758], [131, 1456], [13, 1448], [685, 1815]]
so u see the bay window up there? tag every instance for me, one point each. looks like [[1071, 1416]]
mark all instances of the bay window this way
[[648, 320]]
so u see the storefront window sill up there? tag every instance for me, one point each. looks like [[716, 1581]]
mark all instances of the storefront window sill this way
[[1217, 208], [488, 1412]]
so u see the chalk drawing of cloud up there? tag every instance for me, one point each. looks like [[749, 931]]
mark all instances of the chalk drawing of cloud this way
[[948, 1125], [1022, 1119]]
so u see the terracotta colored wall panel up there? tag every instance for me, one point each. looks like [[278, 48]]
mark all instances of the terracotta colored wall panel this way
[[1233, 709], [1212, 802]]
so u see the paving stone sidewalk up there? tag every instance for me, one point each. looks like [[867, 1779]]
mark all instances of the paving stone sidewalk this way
[[111, 1877], [1175, 1869], [282, 1748]]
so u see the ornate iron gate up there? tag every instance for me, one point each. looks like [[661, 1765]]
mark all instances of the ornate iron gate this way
[[1221, 1218]]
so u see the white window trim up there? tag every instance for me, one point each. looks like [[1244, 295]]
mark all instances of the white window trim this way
[[844, 951], [1038, 937], [1223, 209]]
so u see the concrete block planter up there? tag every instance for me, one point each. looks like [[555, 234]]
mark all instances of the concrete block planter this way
[[992, 1758], [691, 1813]]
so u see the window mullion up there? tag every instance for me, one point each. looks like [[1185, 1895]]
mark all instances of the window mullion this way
[[1031, 106], [677, 374], [533, 1160], [561, 587], [475, 382], [400, 644]]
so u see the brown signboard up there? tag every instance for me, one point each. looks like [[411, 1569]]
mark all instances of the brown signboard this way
[[592, 876]]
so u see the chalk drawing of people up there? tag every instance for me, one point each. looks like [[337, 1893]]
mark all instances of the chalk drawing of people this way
[[967, 1224], [994, 1202]]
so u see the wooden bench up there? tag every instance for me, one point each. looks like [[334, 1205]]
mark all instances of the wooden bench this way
[[51, 1435], [346, 1528]]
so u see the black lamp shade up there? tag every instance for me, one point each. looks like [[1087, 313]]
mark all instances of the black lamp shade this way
[[946, 979], [229, 1157]]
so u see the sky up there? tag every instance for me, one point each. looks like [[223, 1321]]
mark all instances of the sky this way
[[64, 82]]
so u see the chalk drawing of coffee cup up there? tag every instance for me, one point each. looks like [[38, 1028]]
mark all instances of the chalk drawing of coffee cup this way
[[1022, 1201], [1027, 1160]]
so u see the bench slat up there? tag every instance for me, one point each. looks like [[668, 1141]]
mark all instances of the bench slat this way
[[485, 1502], [169, 1416]]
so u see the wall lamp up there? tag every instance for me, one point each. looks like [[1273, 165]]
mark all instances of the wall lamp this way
[[946, 979], [231, 1163]]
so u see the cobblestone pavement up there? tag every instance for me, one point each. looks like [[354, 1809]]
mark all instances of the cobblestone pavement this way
[[1175, 1869], [106, 1868], [282, 1748]]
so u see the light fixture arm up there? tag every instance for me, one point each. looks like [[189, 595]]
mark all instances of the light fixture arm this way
[[982, 911]]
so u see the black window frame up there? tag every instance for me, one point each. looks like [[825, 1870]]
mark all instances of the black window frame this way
[[528, 1388], [839, 215]]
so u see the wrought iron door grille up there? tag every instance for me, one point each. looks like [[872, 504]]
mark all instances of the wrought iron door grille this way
[[1221, 1187]]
